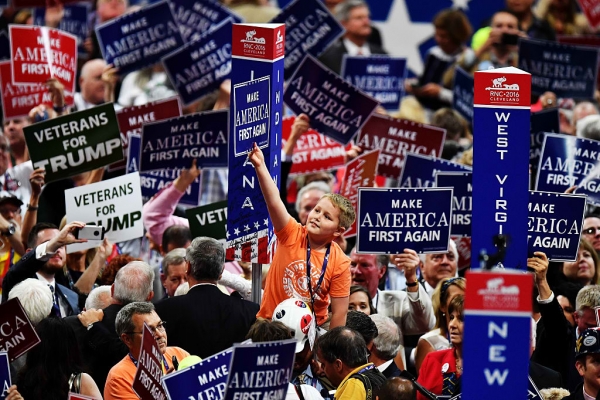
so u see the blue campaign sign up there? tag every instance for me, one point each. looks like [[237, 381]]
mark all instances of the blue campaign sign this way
[[176, 142], [336, 108], [462, 100], [198, 68], [140, 38], [390, 220], [419, 170], [75, 21], [5, 381], [310, 29], [567, 161], [504, 339], [554, 224], [251, 110], [196, 18], [205, 380], [260, 370], [532, 392], [462, 199], [153, 181], [566, 70], [381, 77], [540, 123]]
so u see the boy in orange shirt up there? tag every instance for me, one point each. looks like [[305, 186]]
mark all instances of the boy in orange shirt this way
[[329, 267]]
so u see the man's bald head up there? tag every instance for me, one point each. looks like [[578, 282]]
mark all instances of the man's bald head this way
[[90, 81]]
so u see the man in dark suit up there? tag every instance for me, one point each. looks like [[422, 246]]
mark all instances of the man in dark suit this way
[[354, 17], [206, 321], [95, 329], [386, 346], [45, 257]]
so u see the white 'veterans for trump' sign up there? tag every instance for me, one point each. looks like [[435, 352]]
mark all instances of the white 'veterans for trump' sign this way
[[116, 204]]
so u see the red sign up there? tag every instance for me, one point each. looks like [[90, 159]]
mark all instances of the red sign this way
[[591, 10], [463, 246], [37, 3], [17, 335], [258, 41], [18, 100], [360, 172], [132, 118], [146, 383], [40, 53], [313, 151], [506, 292], [509, 87], [395, 137]]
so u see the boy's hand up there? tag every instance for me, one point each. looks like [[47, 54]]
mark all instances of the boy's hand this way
[[256, 156]]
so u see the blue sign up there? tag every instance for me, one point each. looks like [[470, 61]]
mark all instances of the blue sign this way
[[140, 38], [381, 77], [554, 224], [260, 370], [390, 220], [567, 161], [205, 380], [153, 181], [5, 381], [336, 108], [532, 392], [198, 68], [499, 206], [462, 99], [309, 29], [503, 338], [176, 142], [419, 171], [74, 21], [462, 199], [256, 116], [196, 18], [540, 123], [566, 70]]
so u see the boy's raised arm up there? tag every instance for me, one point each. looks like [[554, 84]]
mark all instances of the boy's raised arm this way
[[277, 211]]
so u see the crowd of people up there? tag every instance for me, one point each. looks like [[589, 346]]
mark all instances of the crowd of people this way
[[384, 326]]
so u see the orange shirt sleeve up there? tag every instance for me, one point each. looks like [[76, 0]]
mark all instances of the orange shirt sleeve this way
[[341, 278], [290, 234]]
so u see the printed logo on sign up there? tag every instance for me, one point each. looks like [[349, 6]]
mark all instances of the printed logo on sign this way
[[279, 37], [501, 92], [254, 45], [496, 295]]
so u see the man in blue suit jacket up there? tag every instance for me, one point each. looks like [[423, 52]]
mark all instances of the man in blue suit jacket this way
[[45, 257]]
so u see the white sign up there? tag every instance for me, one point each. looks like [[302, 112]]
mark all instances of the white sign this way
[[116, 204]]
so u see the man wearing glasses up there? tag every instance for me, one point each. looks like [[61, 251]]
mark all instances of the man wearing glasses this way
[[591, 230], [130, 326]]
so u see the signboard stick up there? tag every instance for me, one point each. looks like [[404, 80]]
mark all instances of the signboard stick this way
[[256, 282]]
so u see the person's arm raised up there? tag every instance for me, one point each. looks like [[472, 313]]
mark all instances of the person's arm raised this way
[[277, 211]]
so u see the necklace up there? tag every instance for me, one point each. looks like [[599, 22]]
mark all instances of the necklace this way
[[458, 367]]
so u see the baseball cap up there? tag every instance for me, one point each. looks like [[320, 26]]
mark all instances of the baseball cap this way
[[296, 315], [588, 342], [5, 198]]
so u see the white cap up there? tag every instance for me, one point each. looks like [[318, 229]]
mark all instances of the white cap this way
[[296, 315]]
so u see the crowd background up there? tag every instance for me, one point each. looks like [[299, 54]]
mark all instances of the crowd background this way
[[377, 316]]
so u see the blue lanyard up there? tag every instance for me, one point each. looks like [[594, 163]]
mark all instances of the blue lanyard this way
[[320, 281], [365, 369]]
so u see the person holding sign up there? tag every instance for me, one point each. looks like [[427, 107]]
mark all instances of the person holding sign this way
[[307, 251], [130, 327]]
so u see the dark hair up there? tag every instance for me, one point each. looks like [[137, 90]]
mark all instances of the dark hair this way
[[264, 330], [37, 228], [362, 289], [455, 23], [113, 266], [457, 305], [398, 389], [362, 324], [177, 235], [345, 344], [508, 11], [450, 120], [206, 257], [49, 365]]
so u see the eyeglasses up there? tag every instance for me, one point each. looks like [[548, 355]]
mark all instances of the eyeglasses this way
[[5, 211], [159, 328], [591, 231]]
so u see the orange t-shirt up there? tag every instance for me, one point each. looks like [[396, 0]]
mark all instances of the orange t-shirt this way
[[287, 275], [120, 377]]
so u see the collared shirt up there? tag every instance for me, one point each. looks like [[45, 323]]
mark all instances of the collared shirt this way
[[587, 396], [203, 284], [354, 50], [386, 364], [214, 185], [64, 307], [309, 379]]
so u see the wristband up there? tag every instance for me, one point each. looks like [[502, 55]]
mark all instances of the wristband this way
[[59, 109], [32, 208]]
